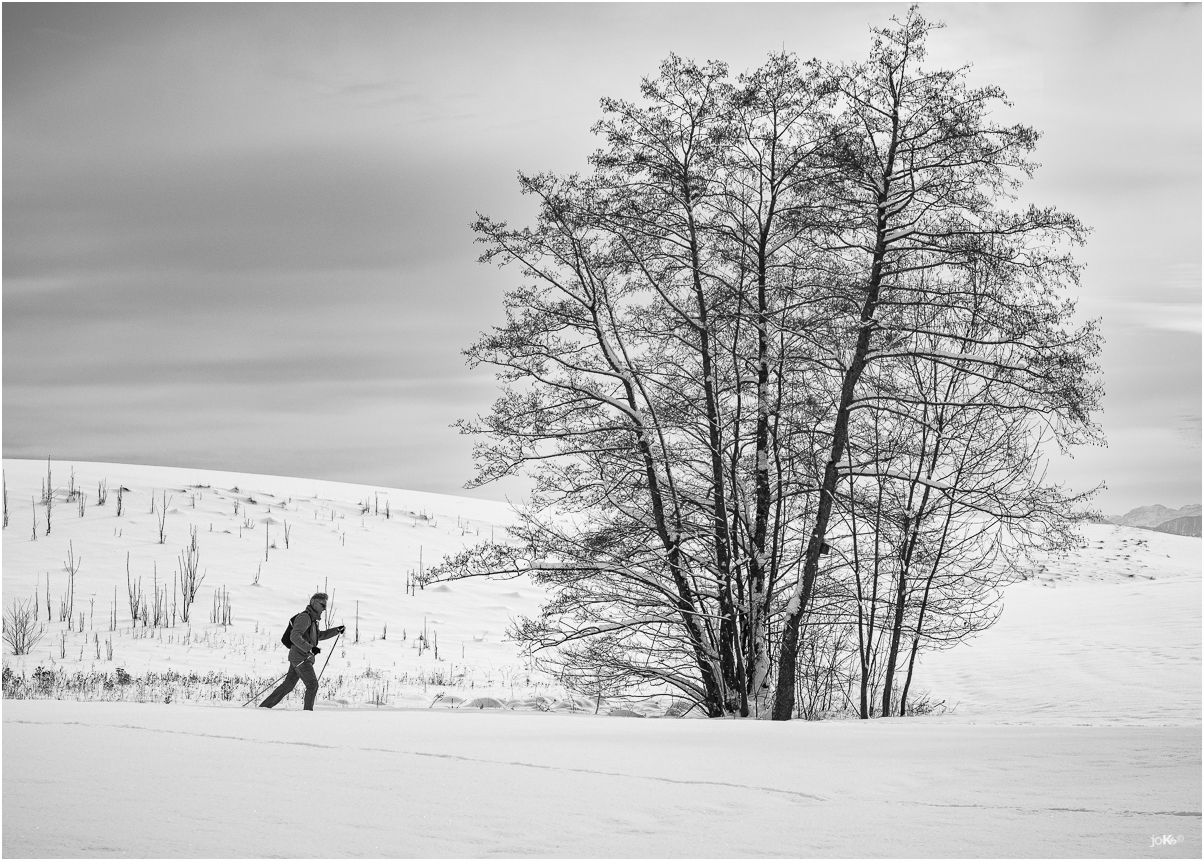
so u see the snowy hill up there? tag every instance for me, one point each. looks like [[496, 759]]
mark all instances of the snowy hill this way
[[267, 542], [1073, 730], [1108, 634], [1189, 525]]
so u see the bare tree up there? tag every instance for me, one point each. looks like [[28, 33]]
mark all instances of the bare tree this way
[[943, 500], [653, 364], [744, 295], [924, 177]]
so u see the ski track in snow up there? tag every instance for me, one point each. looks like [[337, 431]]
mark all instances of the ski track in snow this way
[[574, 786], [642, 777], [449, 756]]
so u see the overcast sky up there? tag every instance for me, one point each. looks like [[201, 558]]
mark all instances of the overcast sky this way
[[236, 236]]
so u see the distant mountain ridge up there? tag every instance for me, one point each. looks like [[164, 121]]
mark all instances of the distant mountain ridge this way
[[1183, 521], [1189, 525]]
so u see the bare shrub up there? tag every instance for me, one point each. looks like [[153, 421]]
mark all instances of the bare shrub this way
[[221, 614], [135, 594], [159, 606], [21, 629], [190, 583]]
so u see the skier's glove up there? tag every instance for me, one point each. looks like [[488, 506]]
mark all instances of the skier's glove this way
[[317, 650], [341, 629]]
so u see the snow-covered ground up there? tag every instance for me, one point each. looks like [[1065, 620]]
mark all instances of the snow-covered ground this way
[[1075, 729], [1106, 635], [112, 779], [364, 560]]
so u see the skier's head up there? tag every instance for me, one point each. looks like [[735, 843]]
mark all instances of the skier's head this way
[[318, 602]]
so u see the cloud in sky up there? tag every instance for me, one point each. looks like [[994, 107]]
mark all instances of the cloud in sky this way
[[236, 235]]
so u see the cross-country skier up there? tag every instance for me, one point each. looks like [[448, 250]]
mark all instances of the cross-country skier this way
[[305, 635]]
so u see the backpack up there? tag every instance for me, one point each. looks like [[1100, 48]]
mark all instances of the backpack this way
[[287, 636]]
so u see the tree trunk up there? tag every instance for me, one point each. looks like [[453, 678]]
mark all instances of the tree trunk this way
[[784, 702], [896, 633]]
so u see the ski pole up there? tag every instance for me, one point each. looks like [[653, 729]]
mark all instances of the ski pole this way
[[336, 642], [256, 696]]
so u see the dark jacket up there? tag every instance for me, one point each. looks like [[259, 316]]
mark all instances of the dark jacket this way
[[305, 636]]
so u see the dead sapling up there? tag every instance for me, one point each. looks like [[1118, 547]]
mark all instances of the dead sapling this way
[[49, 506], [134, 592], [48, 496], [162, 515], [72, 567], [159, 609]]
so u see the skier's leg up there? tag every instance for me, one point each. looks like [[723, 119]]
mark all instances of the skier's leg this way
[[306, 671], [285, 688]]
